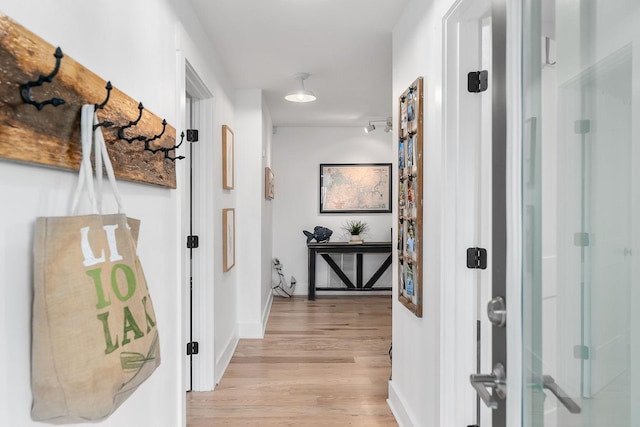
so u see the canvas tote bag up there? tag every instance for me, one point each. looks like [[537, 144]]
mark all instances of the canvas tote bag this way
[[94, 332]]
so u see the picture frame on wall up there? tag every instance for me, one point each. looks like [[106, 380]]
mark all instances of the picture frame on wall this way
[[269, 183], [355, 188], [228, 239], [410, 190], [228, 170]]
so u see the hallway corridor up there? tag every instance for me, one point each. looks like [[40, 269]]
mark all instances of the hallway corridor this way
[[321, 363]]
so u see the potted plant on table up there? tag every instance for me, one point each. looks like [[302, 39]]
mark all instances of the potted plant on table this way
[[356, 229]]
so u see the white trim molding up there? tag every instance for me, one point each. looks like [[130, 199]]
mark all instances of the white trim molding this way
[[223, 361]]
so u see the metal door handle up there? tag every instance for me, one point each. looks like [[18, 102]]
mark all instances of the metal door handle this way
[[550, 384], [497, 381]]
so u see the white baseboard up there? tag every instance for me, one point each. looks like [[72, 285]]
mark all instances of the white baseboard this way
[[255, 330], [251, 330], [223, 361], [266, 312], [245, 330], [301, 289], [395, 402]]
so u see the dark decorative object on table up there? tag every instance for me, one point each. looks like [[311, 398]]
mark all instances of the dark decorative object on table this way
[[321, 234]]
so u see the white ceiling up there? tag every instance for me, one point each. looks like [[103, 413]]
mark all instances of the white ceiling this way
[[344, 44]]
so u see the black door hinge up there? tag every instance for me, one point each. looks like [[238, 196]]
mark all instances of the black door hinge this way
[[478, 81], [192, 135], [192, 242], [477, 258], [192, 348]]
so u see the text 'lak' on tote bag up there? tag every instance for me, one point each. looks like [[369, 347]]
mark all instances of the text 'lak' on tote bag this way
[[94, 332]]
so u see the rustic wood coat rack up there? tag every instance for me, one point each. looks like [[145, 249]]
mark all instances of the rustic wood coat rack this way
[[41, 95]]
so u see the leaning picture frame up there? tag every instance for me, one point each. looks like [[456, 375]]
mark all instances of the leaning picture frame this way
[[355, 188], [228, 172], [228, 239]]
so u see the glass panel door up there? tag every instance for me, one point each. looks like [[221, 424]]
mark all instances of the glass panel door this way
[[581, 116]]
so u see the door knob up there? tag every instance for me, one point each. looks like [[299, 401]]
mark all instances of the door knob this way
[[497, 312], [496, 381]]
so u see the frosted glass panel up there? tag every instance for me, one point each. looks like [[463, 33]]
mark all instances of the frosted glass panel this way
[[581, 104]]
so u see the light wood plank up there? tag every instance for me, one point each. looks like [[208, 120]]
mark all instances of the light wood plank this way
[[321, 363]]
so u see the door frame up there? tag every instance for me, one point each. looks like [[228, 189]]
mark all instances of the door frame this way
[[462, 198], [204, 365]]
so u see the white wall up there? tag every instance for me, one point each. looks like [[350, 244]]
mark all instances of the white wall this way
[[297, 155], [267, 216], [414, 392], [134, 45], [253, 259]]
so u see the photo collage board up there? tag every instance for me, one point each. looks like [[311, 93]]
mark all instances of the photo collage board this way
[[410, 237]]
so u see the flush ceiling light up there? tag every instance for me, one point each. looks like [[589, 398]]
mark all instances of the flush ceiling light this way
[[301, 95], [371, 127]]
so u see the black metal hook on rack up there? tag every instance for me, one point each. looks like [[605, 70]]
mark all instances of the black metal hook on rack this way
[[108, 87], [166, 150], [175, 147], [132, 123], [96, 107], [25, 89], [146, 143]]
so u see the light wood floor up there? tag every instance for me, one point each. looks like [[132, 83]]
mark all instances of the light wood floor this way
[[321, 363]]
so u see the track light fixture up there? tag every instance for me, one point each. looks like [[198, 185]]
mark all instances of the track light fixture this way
[[371, 127], [301, 95]]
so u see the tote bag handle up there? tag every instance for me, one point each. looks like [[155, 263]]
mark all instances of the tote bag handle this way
[[89, 137]]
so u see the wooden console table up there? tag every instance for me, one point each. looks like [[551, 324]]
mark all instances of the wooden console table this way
[[324, 249]]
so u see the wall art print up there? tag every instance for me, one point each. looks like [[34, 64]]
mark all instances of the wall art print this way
[[355, 188], [228, 172], [228, 239], [269, 184]]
